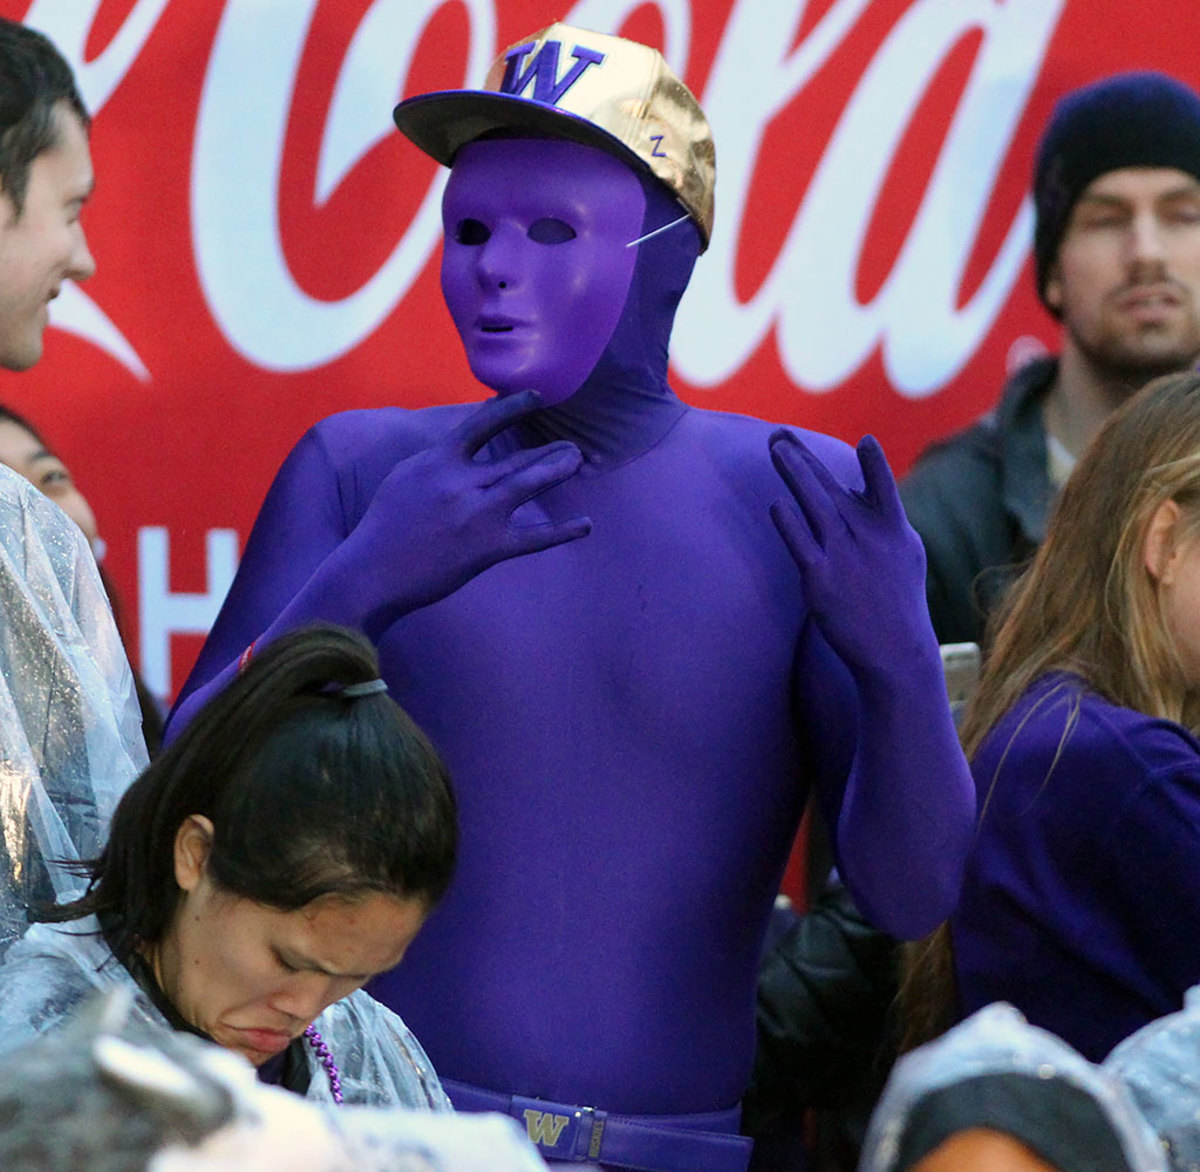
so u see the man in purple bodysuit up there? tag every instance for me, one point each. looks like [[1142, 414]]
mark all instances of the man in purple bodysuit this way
[[637, 631]]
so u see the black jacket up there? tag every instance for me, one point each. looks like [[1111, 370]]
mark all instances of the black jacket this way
[[825, 994], [979, 501]]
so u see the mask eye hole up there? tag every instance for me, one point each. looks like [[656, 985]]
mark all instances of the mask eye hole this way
[[472, 232], [549, 230]]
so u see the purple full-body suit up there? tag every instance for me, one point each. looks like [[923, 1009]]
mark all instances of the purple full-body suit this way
[[633, 717]]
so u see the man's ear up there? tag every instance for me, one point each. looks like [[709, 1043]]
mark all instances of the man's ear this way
[[193, 844], [1160, 550]]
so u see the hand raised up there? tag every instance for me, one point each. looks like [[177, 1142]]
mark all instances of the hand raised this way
[[442, 515], [863, 565]]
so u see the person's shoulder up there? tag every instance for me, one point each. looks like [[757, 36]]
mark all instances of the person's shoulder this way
[[360, 1016], [13, 486], [1162, 745], [1066, 764], [42, 985], [954, 468], [383, 1061], [45, 556], [1085, 724], [741, 440], [358, 1010], [392, 432], [77, 942], [948, 465], [16, 490], [20, 498], [954, 497]]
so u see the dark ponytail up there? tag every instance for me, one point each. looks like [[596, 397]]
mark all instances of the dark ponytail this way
[[311, 791]]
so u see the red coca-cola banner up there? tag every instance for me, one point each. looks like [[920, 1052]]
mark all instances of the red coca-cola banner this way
[[268, 244]]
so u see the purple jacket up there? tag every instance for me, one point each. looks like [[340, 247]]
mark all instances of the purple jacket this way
[[1081, 904]]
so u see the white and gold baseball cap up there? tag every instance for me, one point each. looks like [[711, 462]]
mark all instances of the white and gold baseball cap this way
[[588, 87]]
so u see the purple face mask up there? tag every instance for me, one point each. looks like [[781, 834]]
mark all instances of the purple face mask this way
[[535, 268]]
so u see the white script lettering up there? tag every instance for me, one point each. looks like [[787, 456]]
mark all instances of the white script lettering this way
[[238, 156], [824, 333]]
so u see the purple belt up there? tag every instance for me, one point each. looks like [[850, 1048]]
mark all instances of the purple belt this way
[[649, 1143]]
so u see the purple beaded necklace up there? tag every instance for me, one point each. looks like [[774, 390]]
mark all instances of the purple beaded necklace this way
[[326, 1058]]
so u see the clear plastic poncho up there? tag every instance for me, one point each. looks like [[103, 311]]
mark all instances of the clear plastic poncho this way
[[112, 1093], [70, 727], [56, 969], [1160, 1064], [998, 1040]]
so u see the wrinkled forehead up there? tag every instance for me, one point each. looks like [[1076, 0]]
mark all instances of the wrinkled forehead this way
[[546, 176]]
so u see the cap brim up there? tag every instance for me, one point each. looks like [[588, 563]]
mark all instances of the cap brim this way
[[442, 122]]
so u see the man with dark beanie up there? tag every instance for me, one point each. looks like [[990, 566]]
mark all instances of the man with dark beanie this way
[[1117, 260]]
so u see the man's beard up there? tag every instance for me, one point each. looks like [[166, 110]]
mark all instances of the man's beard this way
[[1137, 366], [1135, 356]]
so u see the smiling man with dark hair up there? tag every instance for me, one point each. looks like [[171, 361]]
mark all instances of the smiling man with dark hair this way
[[70, 737]]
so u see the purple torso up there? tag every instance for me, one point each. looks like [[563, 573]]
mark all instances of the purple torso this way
[[617, 717], [626, 765]]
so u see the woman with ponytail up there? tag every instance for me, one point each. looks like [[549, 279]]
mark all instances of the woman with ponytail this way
[[283, 850], [1081, 904]]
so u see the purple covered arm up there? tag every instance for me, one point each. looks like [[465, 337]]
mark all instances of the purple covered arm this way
[[438, 519], [894, 782]]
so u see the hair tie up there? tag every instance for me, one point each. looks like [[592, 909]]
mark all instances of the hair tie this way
[[367, 688]]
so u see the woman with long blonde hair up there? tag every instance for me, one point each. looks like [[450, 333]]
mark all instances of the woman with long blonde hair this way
[[1081, 904]]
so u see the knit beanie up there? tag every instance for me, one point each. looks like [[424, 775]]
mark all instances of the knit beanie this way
[[1127, 120]]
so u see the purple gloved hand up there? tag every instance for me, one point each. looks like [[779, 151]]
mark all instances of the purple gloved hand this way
[[438, 519], [863, 565], [441, 516], [908, 785]]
